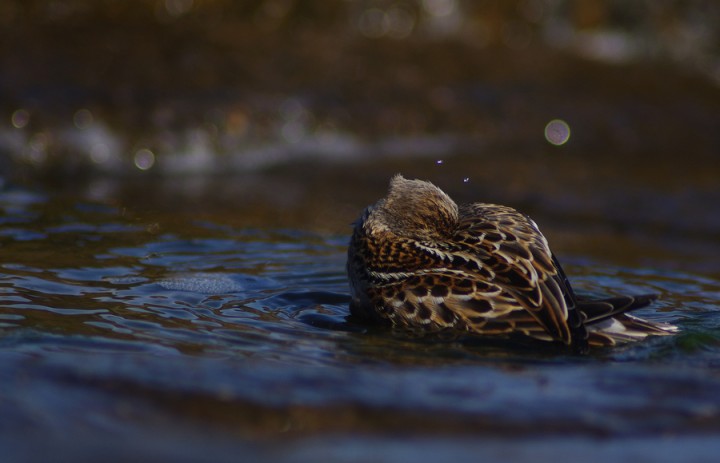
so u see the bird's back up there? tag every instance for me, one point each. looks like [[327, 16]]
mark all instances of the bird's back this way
[[483, 269]]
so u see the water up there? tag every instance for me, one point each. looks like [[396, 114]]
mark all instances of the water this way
[[189, 339], [175, 205]]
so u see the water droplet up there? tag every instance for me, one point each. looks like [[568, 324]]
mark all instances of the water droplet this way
[[557, 132]]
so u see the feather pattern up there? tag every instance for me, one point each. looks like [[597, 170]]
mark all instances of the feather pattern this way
[[417, 260]]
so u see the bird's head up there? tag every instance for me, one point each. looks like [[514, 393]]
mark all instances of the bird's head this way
[[414, 209]]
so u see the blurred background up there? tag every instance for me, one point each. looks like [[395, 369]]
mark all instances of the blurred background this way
[[294, 113]]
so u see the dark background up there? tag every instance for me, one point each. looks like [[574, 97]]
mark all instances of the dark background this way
[[287, 113]]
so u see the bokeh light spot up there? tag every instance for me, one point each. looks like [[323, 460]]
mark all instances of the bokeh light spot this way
[[177, 8], [99, 153], [83, 119], [400, 22], [373, 23], [144, 159], [37, 148], [20, 118], [440, 7], [557, 132]]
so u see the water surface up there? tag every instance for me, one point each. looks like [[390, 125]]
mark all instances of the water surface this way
[[195, 338]]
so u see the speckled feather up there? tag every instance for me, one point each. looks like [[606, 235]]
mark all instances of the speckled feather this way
[[417, 260]]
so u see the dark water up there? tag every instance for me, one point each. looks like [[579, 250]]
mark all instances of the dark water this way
[[177, 181], [124, 338]]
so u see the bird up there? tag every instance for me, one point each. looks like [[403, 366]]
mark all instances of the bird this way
[[420, 262]]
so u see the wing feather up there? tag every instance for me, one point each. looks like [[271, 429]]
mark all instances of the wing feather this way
[[523, 265]]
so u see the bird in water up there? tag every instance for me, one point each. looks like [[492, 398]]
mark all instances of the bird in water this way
[[420, 262]]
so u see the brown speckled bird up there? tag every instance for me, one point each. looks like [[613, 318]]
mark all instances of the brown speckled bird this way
[[418, 261]]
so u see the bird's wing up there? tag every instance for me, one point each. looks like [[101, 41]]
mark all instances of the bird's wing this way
[[505, 250], [445, 298]]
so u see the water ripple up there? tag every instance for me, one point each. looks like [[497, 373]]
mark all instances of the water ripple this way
[[248, 329]]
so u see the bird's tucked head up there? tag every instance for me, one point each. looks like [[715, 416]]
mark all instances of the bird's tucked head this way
[[415, 209]]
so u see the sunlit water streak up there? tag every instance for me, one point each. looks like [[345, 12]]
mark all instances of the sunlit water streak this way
[[108, 329]]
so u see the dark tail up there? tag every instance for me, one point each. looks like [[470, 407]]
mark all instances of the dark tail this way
[[608, 322], [597, 310]]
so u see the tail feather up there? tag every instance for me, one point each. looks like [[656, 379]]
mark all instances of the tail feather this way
[[596, 310], [608, 322]]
